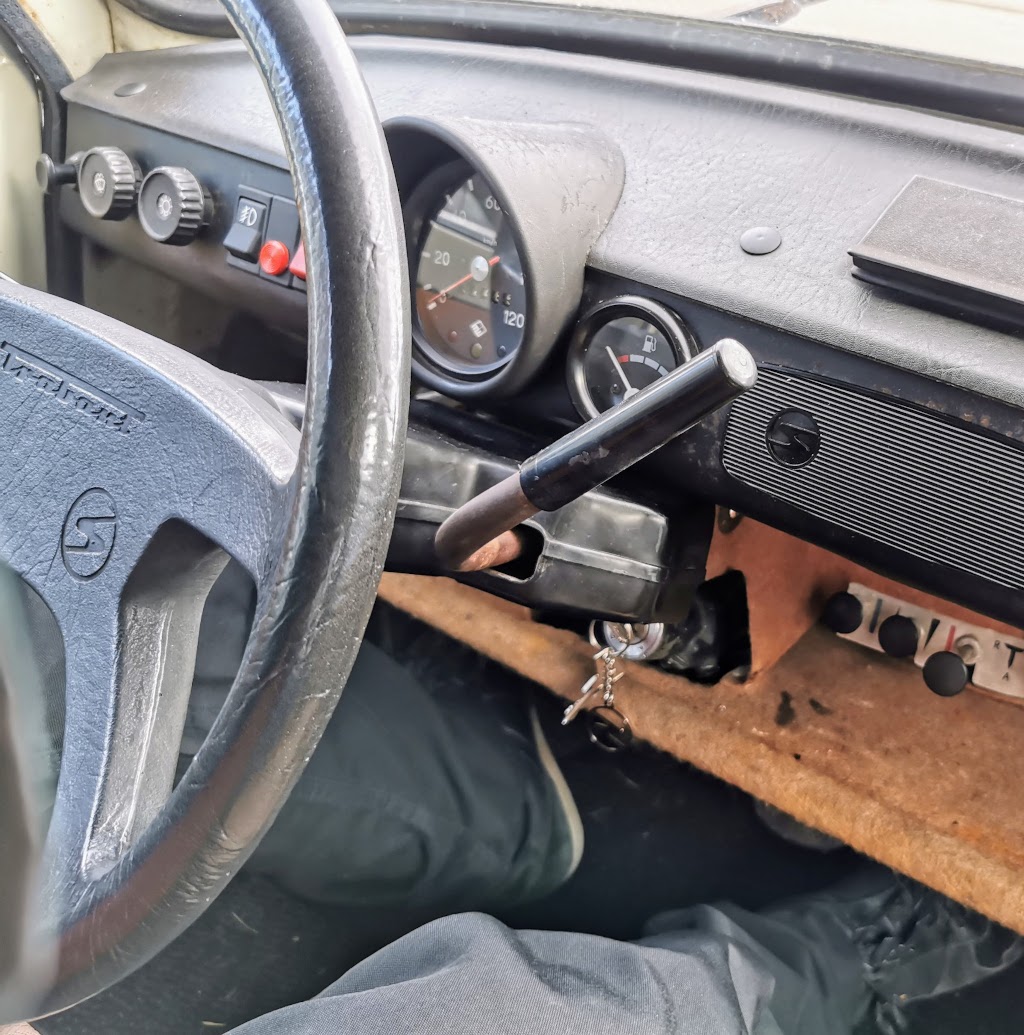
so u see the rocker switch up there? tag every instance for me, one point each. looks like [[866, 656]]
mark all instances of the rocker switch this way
[[245, 238]]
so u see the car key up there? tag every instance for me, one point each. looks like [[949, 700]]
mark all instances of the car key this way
[[601, 683]]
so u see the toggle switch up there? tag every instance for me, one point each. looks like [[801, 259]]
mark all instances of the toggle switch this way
[[245, 237], [298, 266]]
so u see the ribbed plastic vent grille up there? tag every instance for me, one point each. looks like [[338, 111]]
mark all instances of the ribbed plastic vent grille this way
[[898, 476]]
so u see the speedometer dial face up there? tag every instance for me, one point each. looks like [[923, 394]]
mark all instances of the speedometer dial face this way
[[471, 306]]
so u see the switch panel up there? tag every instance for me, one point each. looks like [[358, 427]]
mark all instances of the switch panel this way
[[992, 660], [263, 238]]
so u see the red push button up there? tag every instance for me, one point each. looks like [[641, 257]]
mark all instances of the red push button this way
[[274, 258], [298, 266]]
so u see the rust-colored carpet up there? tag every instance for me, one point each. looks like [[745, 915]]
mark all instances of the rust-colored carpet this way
[[844, 740]]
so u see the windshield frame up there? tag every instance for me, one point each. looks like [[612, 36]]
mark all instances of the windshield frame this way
[[952, 86]]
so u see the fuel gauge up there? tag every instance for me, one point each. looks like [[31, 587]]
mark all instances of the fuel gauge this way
[[619, 348]]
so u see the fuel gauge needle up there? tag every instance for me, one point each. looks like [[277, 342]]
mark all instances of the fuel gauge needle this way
[[473, 274], [630, 390]]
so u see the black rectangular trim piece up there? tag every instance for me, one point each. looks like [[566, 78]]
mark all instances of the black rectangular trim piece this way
[[950, 247]]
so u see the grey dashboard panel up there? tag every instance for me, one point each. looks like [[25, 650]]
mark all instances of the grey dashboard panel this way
[[706, 158]]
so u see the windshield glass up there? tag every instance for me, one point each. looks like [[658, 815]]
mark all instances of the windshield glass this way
[[976, 30]]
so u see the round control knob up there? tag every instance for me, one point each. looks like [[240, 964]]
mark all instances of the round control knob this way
[[172, 205], [898, 636], [51, 175], [946, 673], [843, 613], [108, 183]]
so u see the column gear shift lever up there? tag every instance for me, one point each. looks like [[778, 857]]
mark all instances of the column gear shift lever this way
[[479, 534]]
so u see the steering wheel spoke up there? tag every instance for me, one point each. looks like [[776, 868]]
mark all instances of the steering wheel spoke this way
[[153, 468], [129, 663]]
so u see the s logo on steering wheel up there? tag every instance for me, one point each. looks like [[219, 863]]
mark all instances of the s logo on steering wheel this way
[[88, 534]]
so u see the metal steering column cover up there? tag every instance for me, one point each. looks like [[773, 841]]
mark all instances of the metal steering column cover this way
[[319, 565]]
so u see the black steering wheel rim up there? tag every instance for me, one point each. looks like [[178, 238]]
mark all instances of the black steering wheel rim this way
[[319, 588]]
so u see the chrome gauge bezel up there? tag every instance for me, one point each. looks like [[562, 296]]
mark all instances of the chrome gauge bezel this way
[[679, 338], [418, 210]]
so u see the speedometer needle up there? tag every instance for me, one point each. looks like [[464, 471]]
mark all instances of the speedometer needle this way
[[630, 390], [492, 261]]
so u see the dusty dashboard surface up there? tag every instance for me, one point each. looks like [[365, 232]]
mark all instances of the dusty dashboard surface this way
[[579, 228]]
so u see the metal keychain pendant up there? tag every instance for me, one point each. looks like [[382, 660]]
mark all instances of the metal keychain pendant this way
[[587, 692], [607, 727]]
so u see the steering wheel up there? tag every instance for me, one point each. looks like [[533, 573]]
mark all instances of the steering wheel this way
[[135, 469]]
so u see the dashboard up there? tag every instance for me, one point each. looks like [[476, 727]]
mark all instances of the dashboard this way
[[579, 227]]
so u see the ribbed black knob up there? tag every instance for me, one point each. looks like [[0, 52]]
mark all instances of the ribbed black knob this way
[[946, 673], [172, 205], [843, 613], [898, 636], [108, 183]]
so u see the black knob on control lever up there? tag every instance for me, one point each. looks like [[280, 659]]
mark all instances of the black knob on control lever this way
[[843, 613], [946, 673], [471, 538], [898, 636]]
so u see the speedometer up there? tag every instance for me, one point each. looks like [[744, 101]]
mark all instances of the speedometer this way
[[470, 295]]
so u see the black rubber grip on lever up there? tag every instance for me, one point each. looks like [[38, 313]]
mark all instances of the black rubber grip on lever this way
[[607, 445]]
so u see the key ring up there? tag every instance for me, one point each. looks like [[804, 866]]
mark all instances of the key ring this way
[[608, 728], [603, 647]]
